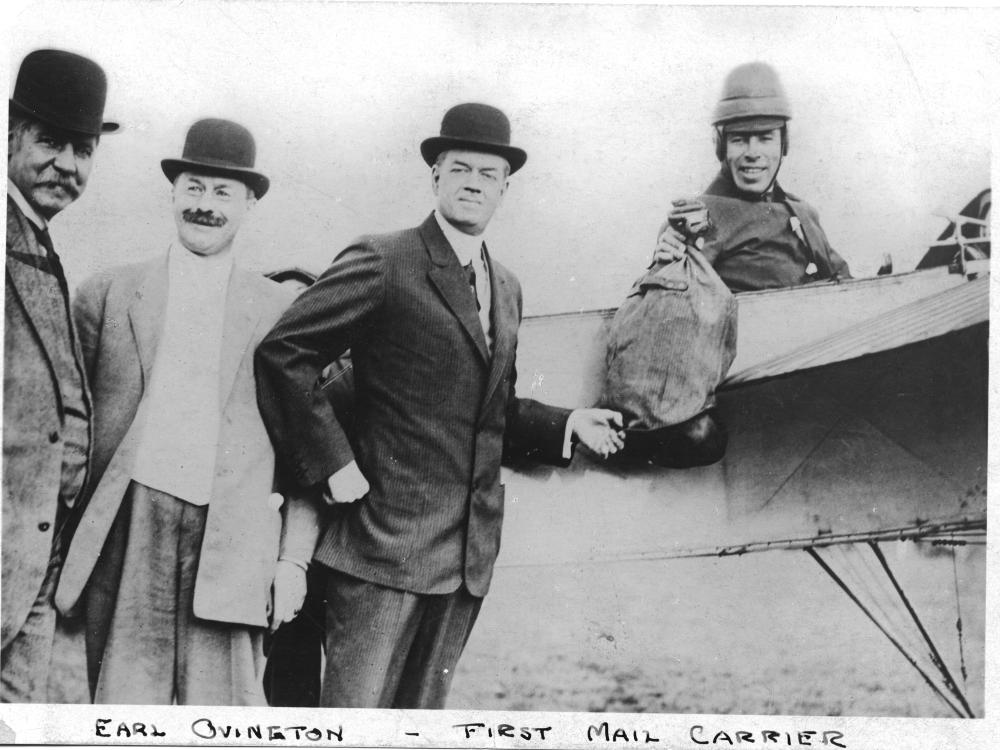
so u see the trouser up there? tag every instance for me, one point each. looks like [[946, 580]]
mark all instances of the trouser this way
[[388, 648], [27, 659], [295, 652], [144, 643]]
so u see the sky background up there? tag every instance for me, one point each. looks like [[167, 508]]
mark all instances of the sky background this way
[[892, 114]]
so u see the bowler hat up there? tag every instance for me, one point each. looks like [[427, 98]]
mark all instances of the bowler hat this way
[[64, 90], [219, 147], [474, 127]]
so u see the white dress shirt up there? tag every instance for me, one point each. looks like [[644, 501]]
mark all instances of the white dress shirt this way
[[469, 249], [181, 408]]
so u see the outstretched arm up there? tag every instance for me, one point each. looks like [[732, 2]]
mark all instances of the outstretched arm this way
[[598, 429], [540, 432]]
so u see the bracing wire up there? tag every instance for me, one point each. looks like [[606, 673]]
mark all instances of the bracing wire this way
[[958, 620], [893, 621], [935, 656], [894, 615], [923, 530], [846, 589]]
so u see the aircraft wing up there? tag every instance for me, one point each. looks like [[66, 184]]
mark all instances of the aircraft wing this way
[[856, 411]]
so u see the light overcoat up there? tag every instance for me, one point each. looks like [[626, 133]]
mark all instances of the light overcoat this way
[[120, 317], [32, 426]]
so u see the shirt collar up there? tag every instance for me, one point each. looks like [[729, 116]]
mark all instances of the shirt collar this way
[[26, 208], [466, 246]]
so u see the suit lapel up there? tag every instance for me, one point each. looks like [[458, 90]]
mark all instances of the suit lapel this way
[[242, 314], [147, 313], [505, 318], [453, 286], [24, 274]]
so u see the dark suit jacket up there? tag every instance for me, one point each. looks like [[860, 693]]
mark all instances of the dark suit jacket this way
[[32, 426], [434, 411]]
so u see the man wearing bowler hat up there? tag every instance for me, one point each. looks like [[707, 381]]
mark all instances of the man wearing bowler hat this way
[[55, 120], [431, 320], [185, 552]]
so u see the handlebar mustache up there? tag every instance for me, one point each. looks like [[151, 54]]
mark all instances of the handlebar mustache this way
[[205, 218]]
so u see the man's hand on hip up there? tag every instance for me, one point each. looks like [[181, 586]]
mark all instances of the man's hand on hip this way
[[598, 429], [346, 485]]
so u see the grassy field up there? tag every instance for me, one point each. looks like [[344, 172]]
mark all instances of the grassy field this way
[[761, 634]]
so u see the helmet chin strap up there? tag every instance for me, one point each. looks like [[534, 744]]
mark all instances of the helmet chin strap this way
[[774, 180]]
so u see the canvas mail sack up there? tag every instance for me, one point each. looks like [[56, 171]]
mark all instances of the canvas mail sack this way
[[670, 345]]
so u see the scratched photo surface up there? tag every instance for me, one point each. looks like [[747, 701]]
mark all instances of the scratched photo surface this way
[[595, 605]]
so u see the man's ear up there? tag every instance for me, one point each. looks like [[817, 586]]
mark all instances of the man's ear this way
[[435, 176]]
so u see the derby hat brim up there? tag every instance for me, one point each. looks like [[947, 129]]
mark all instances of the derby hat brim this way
[[55, 122], [252, 179], [431, 148]]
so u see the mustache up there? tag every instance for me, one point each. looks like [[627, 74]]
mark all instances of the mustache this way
[[68, 185], [204, 218]]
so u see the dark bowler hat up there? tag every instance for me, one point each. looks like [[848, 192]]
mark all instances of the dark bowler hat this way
[[474, 127], [219, 147], [64, 90]]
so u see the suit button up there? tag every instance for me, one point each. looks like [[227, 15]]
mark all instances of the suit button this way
[[44, 526], [53, 437]]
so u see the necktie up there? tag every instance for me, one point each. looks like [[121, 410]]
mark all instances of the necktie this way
[[470, 272], [44, 239], [54, 265]]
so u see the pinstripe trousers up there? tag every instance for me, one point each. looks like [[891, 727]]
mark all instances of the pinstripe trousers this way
[[388, 648]]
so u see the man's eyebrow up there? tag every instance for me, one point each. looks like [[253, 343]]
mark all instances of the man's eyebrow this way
[[466, 165]]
